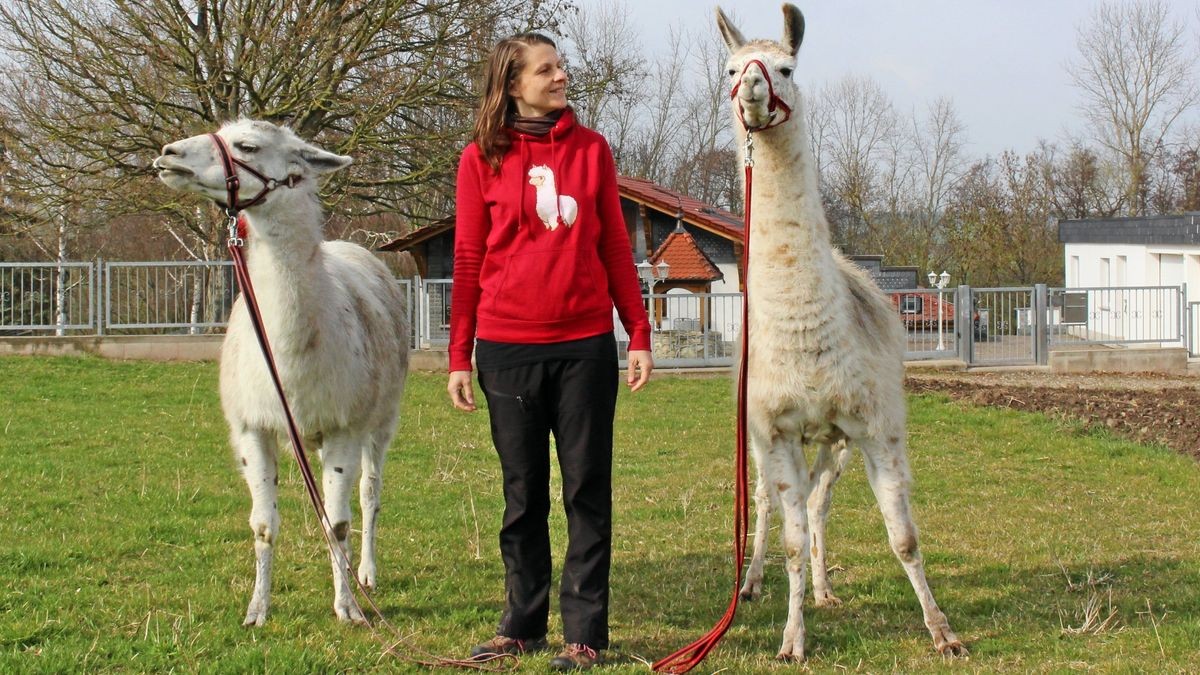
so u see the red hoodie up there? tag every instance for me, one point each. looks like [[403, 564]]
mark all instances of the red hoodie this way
[[541, 253]]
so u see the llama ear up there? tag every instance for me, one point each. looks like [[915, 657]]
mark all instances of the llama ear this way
[[793, 28], [733, 36], [323, 161]]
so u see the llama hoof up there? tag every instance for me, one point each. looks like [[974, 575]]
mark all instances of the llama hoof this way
[[255, 617], [366, 576], [826, 600], [954, 648], [351, 615], [751, 592], [790, 657], [945, 641]]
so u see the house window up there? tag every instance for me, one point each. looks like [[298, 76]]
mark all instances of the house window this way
[[1105, 275], [1074, 279], [1120, 271], [911, 304]]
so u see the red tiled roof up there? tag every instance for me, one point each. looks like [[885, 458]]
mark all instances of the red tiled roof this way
[[718, 221], [687, 262]]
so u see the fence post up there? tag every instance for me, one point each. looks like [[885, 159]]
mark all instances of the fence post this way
[[1185, 319], [101, 296], [422, 317], [1041, 325], [963, 324]]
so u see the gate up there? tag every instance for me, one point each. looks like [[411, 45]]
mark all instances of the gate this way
[[1001, 326]]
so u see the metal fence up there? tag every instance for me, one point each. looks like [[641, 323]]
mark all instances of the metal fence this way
[[39, 298], [1117, 315], [690, 329], [982, 326], [175, 297], [1193, 329], [929, 320]]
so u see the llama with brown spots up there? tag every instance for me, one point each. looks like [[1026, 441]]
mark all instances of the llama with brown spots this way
[[336, 321], [825, 366]]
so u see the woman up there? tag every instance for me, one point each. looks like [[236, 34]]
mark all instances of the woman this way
[[541, 256]]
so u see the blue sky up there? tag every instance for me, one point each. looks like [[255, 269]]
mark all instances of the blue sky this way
[[1001, 61]]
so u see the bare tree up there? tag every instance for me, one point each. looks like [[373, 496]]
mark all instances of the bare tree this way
[[650, 147], [860, 121], [388, 81], [605, 61], [1083, 183], [939, 163], [706, 165], [1135, 74], [999, 224]]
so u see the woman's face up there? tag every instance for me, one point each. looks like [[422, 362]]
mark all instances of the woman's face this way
[[541, 88]]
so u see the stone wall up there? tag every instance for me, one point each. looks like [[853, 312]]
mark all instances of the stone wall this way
[[690, 344]]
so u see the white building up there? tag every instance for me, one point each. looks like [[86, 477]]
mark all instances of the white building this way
[[1148, 251], [1105, 255]]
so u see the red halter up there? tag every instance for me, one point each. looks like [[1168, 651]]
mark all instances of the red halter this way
[[773, 102]]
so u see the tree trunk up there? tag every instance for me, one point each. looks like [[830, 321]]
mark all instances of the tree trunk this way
[[62, 279]]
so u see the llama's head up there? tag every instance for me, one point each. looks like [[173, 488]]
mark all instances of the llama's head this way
[[761, 89], [540, 175], [195, 164]]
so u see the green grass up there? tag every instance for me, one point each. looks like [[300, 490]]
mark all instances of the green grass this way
[[125, 545]]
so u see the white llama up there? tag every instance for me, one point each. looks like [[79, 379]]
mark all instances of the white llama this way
[[826, 349], [335, 318], [551, 205]]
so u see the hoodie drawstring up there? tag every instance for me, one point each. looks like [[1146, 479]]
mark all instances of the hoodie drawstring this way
[[557, 178], [521, 177]]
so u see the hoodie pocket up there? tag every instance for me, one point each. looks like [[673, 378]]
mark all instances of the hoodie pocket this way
[[552, 285]]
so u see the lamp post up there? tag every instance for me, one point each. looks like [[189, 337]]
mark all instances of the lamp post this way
[[939, 281], [651, 274]]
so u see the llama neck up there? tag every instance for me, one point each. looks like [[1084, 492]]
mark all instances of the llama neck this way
[[285, 261], [789, 234]]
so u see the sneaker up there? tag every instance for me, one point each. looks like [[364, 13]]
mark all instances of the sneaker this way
[[502, 644], [575, 657]]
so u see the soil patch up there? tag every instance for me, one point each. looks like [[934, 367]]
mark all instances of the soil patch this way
[[1145, 407]]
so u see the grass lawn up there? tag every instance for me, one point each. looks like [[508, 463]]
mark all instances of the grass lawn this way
[[126, 547]]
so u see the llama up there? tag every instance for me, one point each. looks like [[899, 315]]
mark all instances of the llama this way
[[551, 206], [826, 368], [336, 320]]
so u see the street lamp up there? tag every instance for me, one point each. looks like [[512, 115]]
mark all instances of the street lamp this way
[[939, 281], [650, 274], [645, 272], [662, 268]]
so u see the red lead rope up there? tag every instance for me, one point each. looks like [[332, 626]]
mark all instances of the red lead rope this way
[[690, 656]]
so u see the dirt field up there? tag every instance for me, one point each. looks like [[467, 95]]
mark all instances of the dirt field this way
[[1147, 407]]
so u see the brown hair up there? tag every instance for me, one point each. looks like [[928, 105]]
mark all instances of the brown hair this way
[[504, 65]]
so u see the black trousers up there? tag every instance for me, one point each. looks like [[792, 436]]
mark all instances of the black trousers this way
[[575, 401]]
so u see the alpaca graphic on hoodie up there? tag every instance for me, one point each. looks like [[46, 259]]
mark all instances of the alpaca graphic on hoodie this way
[[551, 206]]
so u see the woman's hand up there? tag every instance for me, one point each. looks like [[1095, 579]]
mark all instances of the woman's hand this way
[[459, 387], [641, 363]]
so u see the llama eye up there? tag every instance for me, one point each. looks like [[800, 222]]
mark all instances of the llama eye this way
[[786, 72], [246, 147], [732, 72]]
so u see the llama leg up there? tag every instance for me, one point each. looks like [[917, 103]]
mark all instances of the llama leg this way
[[887, 470], [827, 468], [784, 466], [763, 496], [369, 487], [255, 450], [340, 459]]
